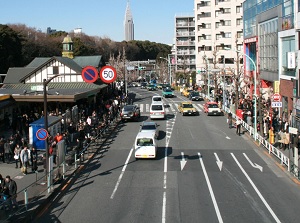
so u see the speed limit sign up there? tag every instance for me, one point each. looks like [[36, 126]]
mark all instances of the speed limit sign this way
[[108, 74]]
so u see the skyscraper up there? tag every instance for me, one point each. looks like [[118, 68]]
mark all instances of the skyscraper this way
[[128, 24]]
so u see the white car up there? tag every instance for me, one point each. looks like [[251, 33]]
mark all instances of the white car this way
[[145, 145], [150, 127], [157, 111], [157, 99]]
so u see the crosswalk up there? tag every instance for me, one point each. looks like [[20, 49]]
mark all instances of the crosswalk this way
[[169, 107]]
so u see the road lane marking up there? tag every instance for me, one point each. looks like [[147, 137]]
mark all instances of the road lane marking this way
[[212, 195], [121, 175], [255, 165], [182, 161], [163, 220], [219, 162], [256, 190]]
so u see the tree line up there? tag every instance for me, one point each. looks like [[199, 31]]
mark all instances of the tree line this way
[[20, 44]]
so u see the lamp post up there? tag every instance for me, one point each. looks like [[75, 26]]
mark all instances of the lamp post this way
[[254, 95], [45, 83]]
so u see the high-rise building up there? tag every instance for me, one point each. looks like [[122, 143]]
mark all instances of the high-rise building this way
[[128, 24], [185, 43], [218, 26]]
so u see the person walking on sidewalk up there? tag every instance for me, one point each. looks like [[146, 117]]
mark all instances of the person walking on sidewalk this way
[[271, 136], [238, 126], [34, 158], [25, 156], [10, 189], [229, 120], [17, 152]]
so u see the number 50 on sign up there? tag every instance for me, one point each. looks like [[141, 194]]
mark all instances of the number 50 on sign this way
[[108, 74]]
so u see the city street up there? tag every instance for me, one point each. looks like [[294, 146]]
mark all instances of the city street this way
[[203, 172]]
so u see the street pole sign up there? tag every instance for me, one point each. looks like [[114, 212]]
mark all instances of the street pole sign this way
[[276, 97], [89, 74], [108, 74], [276, 104]]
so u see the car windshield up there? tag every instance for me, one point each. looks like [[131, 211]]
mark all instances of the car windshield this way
[[212, 105], [187, 106], [157, 99], [148, 127], [157, 107], [195, 93], [145, 142], [128, 108], [168, 90], [150, 85], [143, 84]]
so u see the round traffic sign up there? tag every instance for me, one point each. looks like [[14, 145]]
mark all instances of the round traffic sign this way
[[108, 74], [276, 97], [89, 74], [41, 134]]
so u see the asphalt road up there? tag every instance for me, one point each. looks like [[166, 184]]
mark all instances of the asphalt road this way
[[204, 172]]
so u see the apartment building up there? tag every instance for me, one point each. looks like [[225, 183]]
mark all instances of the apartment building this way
[[218, 26], [185, 55]]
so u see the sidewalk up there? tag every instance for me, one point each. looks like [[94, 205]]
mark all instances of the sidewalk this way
[[36, 184]]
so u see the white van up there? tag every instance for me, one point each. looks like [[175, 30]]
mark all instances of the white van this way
[[157, 111], [157, 99], [145, 145]]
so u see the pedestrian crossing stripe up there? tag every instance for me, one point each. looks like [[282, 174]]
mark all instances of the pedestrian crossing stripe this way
[[172, 107]]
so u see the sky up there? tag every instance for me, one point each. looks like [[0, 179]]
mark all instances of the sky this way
[[154, 20]]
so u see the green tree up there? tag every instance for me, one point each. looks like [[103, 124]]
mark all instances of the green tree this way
[[10, 49]]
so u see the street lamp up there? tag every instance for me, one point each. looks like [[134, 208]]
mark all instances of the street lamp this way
[[254, 95], [45, 83]]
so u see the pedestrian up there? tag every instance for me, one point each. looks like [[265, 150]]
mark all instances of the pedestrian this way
[[271, 136], [10, 189], [34, 158], [2, 196], [238, 126], [229, 120], [249, 119], [24, 156], [286, 140], [17, 152]]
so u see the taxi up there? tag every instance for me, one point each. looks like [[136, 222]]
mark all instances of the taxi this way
[[186, 92], [212, 108], [187, 108]]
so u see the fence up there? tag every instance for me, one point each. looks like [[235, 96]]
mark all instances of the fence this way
[[31, 197]]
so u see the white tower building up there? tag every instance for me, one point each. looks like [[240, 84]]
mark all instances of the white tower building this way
[[128, 24]]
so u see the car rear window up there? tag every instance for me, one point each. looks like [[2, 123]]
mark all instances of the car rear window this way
[[157, 107], [213, 106], [145, 142], [148, 127], [157, 99]]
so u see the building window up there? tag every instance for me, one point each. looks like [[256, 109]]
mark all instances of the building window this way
[[239, 21], [218, 36], [238, 9], [55, 70], [239, 34], [227, 10], [227, 23], [227, 35]]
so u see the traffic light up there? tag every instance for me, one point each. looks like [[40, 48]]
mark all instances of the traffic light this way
[[142, 68]]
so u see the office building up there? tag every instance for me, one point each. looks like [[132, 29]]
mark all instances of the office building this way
[[128, 24]]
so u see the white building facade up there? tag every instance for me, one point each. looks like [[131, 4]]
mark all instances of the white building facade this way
[[218, 26]]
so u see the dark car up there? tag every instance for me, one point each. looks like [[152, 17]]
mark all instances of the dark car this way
[[195, 96], [130, 112]]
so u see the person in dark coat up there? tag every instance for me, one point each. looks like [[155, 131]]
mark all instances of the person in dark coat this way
[[34, 158], [10, 189]]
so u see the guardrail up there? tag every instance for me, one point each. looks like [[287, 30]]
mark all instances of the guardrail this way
[[272, 150], [33, 195]]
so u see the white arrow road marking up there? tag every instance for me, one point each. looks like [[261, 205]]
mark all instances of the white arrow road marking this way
[[256, 190], [254, 165], [210, 190], [182, 161], [227, 137], [219, 163]]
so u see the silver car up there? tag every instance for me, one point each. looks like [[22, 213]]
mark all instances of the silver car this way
[[150, 127]]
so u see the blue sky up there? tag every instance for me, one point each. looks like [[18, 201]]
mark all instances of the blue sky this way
[[153, 19]]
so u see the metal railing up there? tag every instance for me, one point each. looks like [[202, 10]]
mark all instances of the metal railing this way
[[33, 195]]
